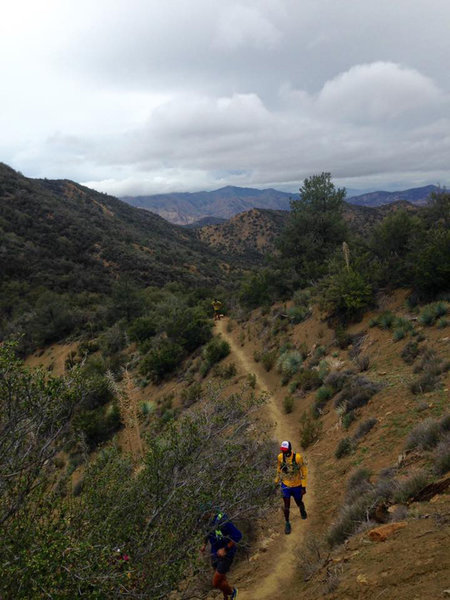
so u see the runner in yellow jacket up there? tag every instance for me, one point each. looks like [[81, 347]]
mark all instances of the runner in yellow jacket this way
[[292, 472]]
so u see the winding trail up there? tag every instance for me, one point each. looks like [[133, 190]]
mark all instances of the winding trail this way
[[274, 567]]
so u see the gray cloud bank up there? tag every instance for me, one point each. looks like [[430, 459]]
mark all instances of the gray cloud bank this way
[[143, 97]]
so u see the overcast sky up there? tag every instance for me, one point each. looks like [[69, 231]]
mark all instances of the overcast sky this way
[[151, 96]]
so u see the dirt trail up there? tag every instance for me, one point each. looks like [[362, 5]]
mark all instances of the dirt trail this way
[[273, 569]]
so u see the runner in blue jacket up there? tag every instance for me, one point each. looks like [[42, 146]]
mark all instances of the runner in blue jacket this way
[[223, 537]]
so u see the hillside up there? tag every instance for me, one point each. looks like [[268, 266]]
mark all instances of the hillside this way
[[64, 236], [252, 234], [379, 430]]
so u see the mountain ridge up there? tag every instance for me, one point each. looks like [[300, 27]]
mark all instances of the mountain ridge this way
[[186, 208]]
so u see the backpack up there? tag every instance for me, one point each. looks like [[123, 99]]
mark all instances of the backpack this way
[[295, 466]]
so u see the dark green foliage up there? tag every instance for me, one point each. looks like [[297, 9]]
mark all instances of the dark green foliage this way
[[97, 426], [393, 242], [288, 404], [344, 448], [191, 394], [410, 352], [323, 394], [308, 379], [268, 359], [298, 314], [76, 260], [310, 429], [348, 419], [113, 340], [66, 545], [263, 287], [432, 312], [346, 293], [432, 263], [161, 360], [343, 338], [315, 227], [214, 352], [143, 328]]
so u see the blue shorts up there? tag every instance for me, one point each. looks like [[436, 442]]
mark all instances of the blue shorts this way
[[295, 492]]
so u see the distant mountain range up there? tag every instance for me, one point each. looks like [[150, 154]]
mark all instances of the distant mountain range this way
[[224, 203], [417, 196], [187, 208]]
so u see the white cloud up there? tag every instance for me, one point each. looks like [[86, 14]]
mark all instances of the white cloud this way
[[378, 91]]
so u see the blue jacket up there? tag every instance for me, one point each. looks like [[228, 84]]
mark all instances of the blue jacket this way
[[222, 532]]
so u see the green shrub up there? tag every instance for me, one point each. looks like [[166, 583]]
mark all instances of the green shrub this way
[[97, 426], [216, 350], [288, 404], [161, 360], [410, 352], [142, 329], [343, 338], [268, 359], [344, 447], [298, 314], [289, 363], [399, 333], [347, 293], [442, 323], [324, 393], [386, 320], [113, 340], [225, 371], [191, 394], [308, 379], [348, 419], [251, 380], [147, 408], [310, 429], [432, 312]]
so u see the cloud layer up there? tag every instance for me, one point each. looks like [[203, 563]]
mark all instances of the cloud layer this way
[[144, 97]]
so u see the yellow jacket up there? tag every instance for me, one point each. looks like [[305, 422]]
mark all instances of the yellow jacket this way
[[291, 474]]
